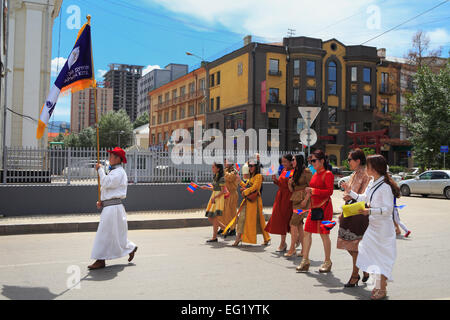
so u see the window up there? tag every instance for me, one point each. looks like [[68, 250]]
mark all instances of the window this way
[[166, 117], [332, 114], [425, 176], [367, 126], [439, 175], [174, 94], [296, 67], [182, 91], [235, 120], [296, 96], [201, 108], [174, 115], [353, 126], [366, 75], [211, 105], [182, 113], [366, 101], [384, 82], [274, 94], [218, 77], [354, 74], [273, 123], [191, 87], [153, 120], [160, 137], [332, 78], [202, 84], [353, 101], [240, 68], [310, 68], [167, 96], [211, 80], [311, 96], [159, 118], [385, 106], [159, 99], [191, 111], [217, 103], [273, 66]]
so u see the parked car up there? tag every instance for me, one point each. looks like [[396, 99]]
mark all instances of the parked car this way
[[433, 182], [84, 169], [395, 177]]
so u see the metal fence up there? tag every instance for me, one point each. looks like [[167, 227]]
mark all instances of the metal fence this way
[[77, 166]]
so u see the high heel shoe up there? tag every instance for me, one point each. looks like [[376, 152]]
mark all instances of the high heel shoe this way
[[236, 243], [325, 267], [282, 250], [304, 266], [351, 285], [266, 243], [378, 294], [288, 255], [365, 277]]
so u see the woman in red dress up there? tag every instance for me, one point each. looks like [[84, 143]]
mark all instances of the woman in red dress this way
[[282, 207], [320, 189]]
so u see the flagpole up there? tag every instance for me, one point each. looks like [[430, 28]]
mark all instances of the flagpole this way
[[88, 17]]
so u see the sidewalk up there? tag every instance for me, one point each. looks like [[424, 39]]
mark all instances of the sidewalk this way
[[136, 220]]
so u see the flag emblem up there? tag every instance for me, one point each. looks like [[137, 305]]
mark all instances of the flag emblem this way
[[192, 187]]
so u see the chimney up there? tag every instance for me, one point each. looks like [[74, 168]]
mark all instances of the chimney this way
[[381, 53], [247, 40]]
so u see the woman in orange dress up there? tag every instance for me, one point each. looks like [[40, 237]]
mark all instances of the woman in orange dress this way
[[320, 190], [282, 207]]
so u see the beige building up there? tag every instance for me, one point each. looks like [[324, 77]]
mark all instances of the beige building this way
[[82, 108], [29, 26]]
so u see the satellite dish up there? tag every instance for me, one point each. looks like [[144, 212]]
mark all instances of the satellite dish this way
[[304, 137]]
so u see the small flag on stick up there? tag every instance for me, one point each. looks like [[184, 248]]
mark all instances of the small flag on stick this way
[[270, 171], [298, 211], [287, 174], [328, 225], [192, 187], [238, 167]]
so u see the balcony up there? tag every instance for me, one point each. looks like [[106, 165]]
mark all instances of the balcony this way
[[275, 73], [184, 98], [386, 90]]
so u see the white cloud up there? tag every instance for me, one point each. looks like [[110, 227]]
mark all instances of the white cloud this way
[[56, 65], [149, 68], [352, 22], [438, 37], [101, 73]]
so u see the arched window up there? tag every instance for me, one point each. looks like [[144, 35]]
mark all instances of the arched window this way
[[332, 78]]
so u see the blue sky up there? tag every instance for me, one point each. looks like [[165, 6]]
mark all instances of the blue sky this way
[[154, 33]]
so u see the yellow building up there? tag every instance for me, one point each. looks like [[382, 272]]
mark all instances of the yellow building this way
[[177, 105]]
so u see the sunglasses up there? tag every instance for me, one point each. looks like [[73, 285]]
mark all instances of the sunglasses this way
[[314, 160], [251, 165]]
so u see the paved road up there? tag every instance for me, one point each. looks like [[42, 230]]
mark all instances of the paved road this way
[[177, 264]]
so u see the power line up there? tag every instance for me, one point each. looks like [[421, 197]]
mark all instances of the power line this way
[[415, 17]]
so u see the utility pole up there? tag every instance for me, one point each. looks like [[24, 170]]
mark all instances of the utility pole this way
[[291, 33]]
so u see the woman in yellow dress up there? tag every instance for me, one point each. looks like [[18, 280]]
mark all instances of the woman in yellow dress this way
[[231, 199], [251, 219], [216, 202]]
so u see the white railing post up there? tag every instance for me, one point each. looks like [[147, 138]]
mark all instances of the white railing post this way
[[69, 164], [135, 167]]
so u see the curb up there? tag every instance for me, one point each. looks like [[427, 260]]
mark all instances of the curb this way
[[69, 227]]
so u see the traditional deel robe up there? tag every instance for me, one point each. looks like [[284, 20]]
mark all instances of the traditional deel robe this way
[[111, 240], [216, 209], [377, 250], [282, 208], [251, 219], [229, 211]]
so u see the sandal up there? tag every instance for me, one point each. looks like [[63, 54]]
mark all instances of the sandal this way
[[132, 254], [378, 294]]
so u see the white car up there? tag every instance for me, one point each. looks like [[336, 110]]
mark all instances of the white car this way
[[433, 182]]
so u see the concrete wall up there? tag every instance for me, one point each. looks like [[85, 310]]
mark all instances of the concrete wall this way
[[47, 199]]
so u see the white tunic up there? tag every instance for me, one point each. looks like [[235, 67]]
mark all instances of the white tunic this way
[[377, 250], [111, 240]]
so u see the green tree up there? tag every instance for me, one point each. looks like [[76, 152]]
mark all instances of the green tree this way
[[141, 120], [71, 141], [113, 124], [87, 138], [427, 115]]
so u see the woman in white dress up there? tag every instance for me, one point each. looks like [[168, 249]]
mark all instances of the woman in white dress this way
[[377, 249]]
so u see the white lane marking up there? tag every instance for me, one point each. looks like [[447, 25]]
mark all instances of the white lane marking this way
[[70, 262]]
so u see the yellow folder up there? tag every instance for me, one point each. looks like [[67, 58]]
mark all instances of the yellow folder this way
[[352, 209]]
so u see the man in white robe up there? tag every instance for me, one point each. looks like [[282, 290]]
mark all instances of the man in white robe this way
[[111, 240]]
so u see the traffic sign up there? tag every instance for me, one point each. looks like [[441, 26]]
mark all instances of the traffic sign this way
[[304, 137], [309, 112], [444, 149]]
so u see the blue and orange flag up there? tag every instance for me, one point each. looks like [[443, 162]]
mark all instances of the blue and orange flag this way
[[287, 174], [238, 167], [77, 74], [327, 225], [298, 211], [271, 170], [192, 187], [209, 185]]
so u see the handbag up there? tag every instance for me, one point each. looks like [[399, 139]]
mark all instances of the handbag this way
[[317, 213]]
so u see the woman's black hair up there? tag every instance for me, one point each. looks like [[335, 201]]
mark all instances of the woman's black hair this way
[[319, 154], [298, 170], [358, 154], [220, 174], [257, 168], [288, 157], [378, 163]]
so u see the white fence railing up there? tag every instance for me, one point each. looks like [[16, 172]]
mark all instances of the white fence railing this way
[[77, 166]]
